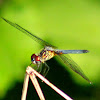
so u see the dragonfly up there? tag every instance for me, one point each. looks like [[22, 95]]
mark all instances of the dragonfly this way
[[49, 51]]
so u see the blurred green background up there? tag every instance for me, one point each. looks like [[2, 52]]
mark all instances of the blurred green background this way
[[67, 24]]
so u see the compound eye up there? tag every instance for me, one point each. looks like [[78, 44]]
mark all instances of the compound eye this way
[[33, 56], [33, 59], [37, 58]]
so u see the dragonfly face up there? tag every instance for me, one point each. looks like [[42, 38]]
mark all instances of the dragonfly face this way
[[35, 59], [50, 51]]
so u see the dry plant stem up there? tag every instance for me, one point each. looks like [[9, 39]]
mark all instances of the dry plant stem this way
[[25, 87], [30, 70], [37, 86]]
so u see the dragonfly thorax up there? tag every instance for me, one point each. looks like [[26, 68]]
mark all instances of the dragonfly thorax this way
[[35, 59]]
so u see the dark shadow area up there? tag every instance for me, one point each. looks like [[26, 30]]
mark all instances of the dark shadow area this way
[[59, 77]]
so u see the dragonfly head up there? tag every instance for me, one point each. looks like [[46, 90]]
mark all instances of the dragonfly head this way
[[35, 59]]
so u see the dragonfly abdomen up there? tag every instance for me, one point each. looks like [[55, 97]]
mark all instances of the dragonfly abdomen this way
[[70, 51]]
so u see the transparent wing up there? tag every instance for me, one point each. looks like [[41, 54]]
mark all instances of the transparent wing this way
[[70, 63], [37, 39]]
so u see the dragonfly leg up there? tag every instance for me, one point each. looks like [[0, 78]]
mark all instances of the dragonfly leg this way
[[39, 67], [45, 70]]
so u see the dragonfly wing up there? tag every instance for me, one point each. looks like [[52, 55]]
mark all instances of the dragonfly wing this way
[[70, 63], [37, 39]]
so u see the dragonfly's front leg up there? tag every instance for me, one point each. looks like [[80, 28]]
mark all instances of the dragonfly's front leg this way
[[45, 70], [39, 67]]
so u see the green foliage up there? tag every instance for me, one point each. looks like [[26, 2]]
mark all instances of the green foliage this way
[[65, 24]]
